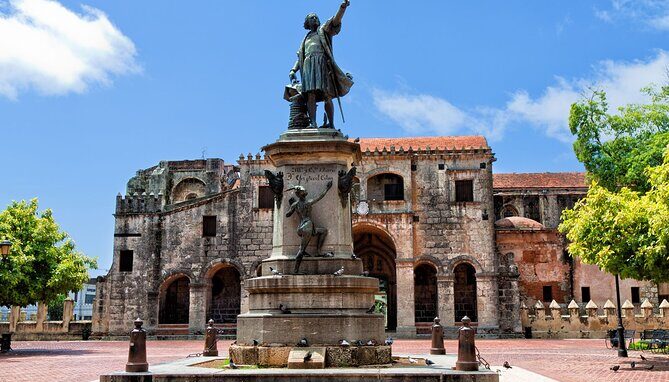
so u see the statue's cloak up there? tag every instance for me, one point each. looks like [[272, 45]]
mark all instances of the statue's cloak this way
[[342, 81]]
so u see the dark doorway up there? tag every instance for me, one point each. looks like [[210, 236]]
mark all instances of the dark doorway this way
[[464, 289], [225, 296], [377, 251], [176, 302], [425, 293]]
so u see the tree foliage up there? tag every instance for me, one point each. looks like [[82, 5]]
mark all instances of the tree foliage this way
[[617, 148], [624, 232], [43, 263]]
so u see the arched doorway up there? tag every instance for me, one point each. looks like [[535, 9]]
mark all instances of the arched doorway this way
[[377, 251], [225, 300], [464, 292], [425, 293], [175, 301]]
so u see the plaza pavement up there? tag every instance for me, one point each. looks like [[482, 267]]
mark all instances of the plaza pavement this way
[[533, 360]]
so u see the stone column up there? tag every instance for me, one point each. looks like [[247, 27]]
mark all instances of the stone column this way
[[406, 318], [42, 309], [244, 299], [486, 300], [445, 299], [553, 212], [152, 310], [14, 317], [197, 310], [68, 313]]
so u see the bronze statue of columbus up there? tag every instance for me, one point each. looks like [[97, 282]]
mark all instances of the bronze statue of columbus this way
[[322, 79]]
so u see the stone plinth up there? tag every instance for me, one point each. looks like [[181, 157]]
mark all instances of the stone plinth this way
[[311, 294], [324, 309], [332, 356], [316, 361], [318, 305], [313, 266], [310, 158]]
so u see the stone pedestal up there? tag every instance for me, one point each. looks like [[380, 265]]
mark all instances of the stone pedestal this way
[[324, 308], [310, 158], [318, 305]]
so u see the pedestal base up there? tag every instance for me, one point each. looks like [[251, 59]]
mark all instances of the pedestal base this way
[[332, 356]]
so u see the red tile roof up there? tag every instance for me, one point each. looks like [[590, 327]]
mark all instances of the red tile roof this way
[[421, 143], [539, 180]]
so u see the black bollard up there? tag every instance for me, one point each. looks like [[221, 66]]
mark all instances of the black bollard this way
[[466, 347], [137, 353], [437, 338], [210, 340]]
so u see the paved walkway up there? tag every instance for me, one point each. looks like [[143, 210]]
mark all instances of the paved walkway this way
[[562, 360]]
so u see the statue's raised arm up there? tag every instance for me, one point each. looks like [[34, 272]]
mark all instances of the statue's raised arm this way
[[340, 12], [328, 186]]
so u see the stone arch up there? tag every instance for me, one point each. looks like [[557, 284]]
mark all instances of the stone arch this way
[[425, 291], [174, 297], [376, 248], [385, 186], [188, 189], [223, 283], [433, 261], [214, 265], [454, 262], [381, 170], [508, 211], [464, 291]]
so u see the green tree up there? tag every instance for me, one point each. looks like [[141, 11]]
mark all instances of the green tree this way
[[624, 232], [55, 308], [617, 148], [43, 263]]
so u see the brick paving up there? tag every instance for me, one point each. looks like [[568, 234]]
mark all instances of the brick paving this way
[[562, 360]]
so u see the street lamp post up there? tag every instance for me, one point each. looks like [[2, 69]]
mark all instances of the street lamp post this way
[[6, 338], [622, 350], [5, 245]]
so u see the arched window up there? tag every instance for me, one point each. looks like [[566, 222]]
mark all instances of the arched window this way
[[385, 187], [425, 293], [509, 211], [188, 189]]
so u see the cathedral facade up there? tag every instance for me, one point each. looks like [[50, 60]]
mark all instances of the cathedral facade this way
[[444, 235]]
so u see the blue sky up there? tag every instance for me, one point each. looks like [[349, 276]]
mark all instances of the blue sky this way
[[91, 92]]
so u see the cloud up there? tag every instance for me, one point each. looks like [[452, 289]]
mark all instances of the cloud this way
[[654, 13], [547, 112], [53, 50]]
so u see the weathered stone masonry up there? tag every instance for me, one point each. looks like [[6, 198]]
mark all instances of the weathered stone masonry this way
[[189, 233]]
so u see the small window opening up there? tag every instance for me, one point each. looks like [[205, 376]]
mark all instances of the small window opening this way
[[464, 191], [393, 191], [442, 166], [265, 197], [585, 294], [125, 261], [636, 296], [548, 293], [208, 226]]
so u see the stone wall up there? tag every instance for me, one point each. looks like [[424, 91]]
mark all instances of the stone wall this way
[[429, 226], [591, 321], [539, 257], [40, 329]]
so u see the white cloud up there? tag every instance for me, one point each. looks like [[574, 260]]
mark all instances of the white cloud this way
[[547, 112], [654, 13], [53, 50]]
